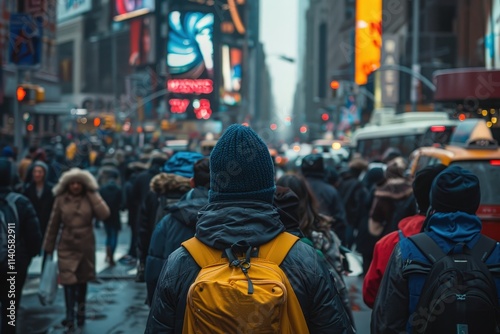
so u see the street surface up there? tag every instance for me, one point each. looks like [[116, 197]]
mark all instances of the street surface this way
[[115, 302]]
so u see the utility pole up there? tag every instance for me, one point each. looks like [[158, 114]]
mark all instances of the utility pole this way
[[415, 50]]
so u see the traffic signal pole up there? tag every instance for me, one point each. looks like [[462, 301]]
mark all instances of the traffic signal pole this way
[[18, 121]]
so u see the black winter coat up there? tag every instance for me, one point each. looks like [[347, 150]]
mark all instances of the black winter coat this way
[[223, 224], [175, 228], [329, 202], [42, 205], [28, 231], [111, 193]]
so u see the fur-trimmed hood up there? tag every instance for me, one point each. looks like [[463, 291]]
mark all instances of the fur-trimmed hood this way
[[164, 183], [75, 174]]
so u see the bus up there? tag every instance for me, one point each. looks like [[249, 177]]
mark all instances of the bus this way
[[405, 132]]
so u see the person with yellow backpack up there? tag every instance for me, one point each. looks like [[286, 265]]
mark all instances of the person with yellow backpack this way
[[242, 272]]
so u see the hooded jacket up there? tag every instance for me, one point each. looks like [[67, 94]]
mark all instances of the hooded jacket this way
[[172, 230], [382, 253], [397, 299], [73, 215], [165, 189], [226, 223]]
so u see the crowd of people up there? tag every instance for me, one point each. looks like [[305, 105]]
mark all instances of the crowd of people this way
[[233, 204]]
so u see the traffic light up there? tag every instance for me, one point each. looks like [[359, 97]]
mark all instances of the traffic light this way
[[97, 122], [30, 94], [335, 86]]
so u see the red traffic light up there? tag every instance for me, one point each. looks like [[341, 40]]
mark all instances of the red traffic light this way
[[97, 122], [325, 117], [334, 84], [21, 93]]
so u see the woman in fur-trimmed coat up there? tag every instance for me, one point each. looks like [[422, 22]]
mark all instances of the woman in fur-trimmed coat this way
[[77, 203]]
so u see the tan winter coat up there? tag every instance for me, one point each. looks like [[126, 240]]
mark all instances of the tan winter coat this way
[[73, 216]]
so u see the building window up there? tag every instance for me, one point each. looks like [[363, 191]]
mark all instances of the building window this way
[[65, 56]]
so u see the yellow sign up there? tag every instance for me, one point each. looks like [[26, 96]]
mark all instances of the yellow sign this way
[[368, 41]]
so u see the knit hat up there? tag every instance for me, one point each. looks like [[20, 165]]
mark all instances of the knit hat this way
[[7, 152], [42, 164], [312, 164], [455, 189], [241, 167], [422, 185]]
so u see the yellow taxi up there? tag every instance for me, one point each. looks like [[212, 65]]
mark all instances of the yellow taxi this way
[[472, 147]]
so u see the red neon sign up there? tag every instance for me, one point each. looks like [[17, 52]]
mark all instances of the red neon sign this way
[[203, 111], [178, 106], [190, 86]]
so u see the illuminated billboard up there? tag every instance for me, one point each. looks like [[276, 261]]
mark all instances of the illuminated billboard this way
[[368, 39], [142, 37], [190, 63], [230, 89], [126, 9]]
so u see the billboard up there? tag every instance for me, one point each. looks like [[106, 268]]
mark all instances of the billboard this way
[[190, 63], [126, 9], [142, 37], [230, 88], [368, 40], [69, 8], [25, 42]]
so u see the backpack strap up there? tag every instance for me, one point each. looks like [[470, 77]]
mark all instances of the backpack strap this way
[[277, 249], [201, 253], [428, 247], [483, 248], [274, 251]]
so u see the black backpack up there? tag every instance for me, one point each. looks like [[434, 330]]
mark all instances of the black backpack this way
[[9, 221], [459, 293]]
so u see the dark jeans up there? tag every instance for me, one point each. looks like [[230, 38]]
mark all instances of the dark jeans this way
[[111, 237], [7, 298]]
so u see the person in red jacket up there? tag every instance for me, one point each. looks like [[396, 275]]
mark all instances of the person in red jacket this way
[[407, 227]]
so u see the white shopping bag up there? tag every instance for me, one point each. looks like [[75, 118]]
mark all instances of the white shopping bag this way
[[48, 282]]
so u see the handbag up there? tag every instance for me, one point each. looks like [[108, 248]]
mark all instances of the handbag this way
[[47, 289]]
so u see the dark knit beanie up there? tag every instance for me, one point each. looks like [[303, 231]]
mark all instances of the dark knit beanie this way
[[241, 167], [422, 185], [312, 165], [455, 189]]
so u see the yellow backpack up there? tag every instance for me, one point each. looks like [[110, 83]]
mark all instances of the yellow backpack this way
[[242, 295]]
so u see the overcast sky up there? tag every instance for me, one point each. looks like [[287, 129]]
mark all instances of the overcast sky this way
[[279, 33]]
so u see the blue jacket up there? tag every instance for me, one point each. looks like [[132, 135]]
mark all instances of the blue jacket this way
[[398, 296]]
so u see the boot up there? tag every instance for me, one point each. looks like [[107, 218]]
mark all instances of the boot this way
[[81, 297], [69, 297], [109, 257]]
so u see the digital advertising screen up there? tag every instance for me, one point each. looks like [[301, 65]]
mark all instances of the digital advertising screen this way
[[142, 37], [230, 89], [190, 63], [127, 9]]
